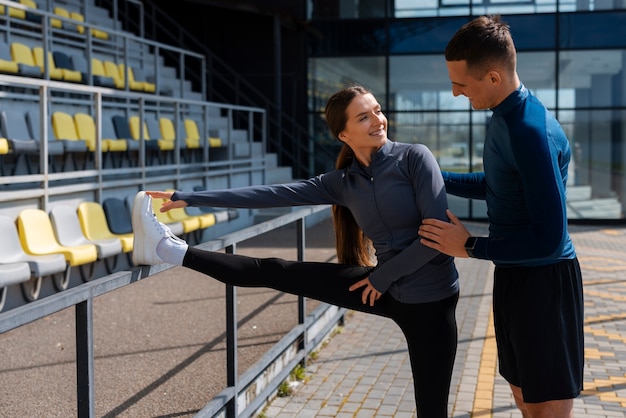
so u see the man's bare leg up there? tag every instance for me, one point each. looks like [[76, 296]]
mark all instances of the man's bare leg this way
[[551, 409]]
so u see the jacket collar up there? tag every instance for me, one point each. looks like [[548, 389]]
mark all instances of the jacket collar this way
[[377, 157], [512, 100]]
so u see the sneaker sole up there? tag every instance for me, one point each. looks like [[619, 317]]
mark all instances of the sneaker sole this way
[[137, 213]]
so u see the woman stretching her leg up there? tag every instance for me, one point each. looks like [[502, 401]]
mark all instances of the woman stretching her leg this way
[[381, 190]]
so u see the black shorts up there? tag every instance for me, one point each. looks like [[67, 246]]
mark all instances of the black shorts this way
[[538, 316]]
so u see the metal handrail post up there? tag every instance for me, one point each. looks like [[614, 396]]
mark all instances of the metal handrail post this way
[[301, 238], [84, 359], [231, 342]]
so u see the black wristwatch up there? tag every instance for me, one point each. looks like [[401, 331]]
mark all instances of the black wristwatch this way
[[469, 246]]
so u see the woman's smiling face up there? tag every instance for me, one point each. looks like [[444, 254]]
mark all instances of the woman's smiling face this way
[[366, 126]]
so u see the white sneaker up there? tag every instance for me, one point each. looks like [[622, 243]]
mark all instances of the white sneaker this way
[[147, 230]]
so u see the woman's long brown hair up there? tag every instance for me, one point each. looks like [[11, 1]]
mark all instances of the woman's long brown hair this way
[[352, 246]]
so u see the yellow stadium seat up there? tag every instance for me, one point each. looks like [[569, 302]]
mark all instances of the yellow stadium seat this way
[[59, 11], [65, 129], [133, 83], [112, 70], [168, 131], [86, 129], [93, 222], [193, 134], [11, 251], [7, 65], [38, 238], [98, 33], [4, 149], [150, 135], [23, 55], [13, 12], [97, 68]]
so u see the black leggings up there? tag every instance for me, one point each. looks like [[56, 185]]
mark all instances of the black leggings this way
[[429, 328]]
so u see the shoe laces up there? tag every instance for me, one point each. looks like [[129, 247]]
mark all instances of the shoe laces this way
[[164, 229]]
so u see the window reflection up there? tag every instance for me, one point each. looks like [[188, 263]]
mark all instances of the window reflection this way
[[361, 9], [589, 78], [583, 86]]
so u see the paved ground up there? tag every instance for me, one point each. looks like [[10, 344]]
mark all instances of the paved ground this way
[[364, 371], [159, 346]]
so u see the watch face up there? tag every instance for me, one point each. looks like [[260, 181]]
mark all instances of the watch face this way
[[470, 243]]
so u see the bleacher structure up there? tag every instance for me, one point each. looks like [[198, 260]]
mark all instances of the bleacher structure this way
[[89, 113]]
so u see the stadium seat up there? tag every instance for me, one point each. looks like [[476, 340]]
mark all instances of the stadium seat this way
[[65, 131], [23, 55], [40, 266], [168, 131], [64, 62], [133, 83], [152, 135], [54, 72], [166, 146], [13, 12], [111, 70], [86, 129], [23, 141], [10, 274], [122, 130], [98, 75], [117, 215], [33, 17], [140, 75], [132, 146], [4, 150], [69, 233], [97, 33], [93, 222], [55, 148], [20, 142], [193, 134], [207, 219], [188, 148], [7, 65], [37, 237], [62, 24]]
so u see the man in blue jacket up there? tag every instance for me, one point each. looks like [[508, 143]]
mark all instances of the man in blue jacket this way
[[537, 296]]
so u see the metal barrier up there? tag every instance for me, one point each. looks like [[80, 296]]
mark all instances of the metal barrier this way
[[244, 395]]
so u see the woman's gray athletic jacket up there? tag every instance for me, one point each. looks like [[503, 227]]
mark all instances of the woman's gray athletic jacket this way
[[388, 199]]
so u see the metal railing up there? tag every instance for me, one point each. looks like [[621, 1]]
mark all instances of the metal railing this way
[[95, 100], [236, 400], [125, 47]]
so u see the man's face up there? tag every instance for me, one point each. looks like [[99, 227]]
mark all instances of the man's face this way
[[481, 92]]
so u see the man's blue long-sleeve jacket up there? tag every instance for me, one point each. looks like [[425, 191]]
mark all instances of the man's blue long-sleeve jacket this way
[[525, 158]]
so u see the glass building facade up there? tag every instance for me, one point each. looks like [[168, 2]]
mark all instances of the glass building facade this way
[[571, 55]]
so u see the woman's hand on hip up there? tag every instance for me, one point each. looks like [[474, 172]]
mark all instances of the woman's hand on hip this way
[[369, 293]]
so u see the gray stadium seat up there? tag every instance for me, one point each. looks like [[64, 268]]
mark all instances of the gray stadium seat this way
[[40, 266], [69, 233], [23, 140]]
